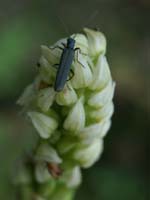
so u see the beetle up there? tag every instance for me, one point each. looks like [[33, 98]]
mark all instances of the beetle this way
[[64, 67]]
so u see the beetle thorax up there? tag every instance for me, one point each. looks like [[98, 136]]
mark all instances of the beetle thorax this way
[[70, 43]]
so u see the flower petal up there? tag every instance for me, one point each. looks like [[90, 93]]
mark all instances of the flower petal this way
[[106, 128], [97, 42], [99, 99], [41, 172], [47, 153], [92, 132], [27, 96], [50, 54], [45, 125], [88, 155], [82, 73], [67, 96], [72, 177], [76, 117], [102, 113], [46, 98], [47, 72], [101, 74], [81, 42]]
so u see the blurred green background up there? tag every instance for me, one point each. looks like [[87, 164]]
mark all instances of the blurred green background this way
[[122, 172]]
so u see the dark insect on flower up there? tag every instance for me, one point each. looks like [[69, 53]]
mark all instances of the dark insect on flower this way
[[64, 67]]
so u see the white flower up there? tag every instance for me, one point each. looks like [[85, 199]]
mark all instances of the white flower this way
[[88, 155], [50, 55], [67, 143], [67, 96], [101, 74], [45, 125], [27, 97], [106, 128], [41, 172], [76, 117], [72, 177], [91, 132], [100, 98], [82, 74], [96, 41], [47, 72], [47, 153], [46, 98], [81, 42], [102, 113]]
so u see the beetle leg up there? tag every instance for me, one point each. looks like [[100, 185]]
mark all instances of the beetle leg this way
[[72, 75], [68, 86], [64, 45], [56, 47], [76, 49]]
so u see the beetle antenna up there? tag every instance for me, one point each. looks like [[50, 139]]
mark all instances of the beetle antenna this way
[[63, 24], [92, 17]]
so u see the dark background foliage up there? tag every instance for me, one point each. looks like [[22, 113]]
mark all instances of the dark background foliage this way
[[122, 172]]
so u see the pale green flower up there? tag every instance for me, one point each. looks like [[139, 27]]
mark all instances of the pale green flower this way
[[27, 96], [83, 75], [45, 125], [72, 177], [100, 98], [87, 155], [96, 42], [89, 133], [72, 123], [45, 98], [102, 113], [47, 153], [41, 172], [101, 74], [75, 120], [66, 97]]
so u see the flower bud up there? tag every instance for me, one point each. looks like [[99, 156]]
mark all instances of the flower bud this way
[[50, 55], [82, 73], [102, 113], [47, 72], [45, 125], [67, 96], [67, 143], [48, 154], [106, 128], [45, 98], [101, 74], [81, 42], [27, 97], [96, 41], [72, 122], [41, 172], [100, 98], [72, 177], [87, 155], [62, 192], [91, 132]]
